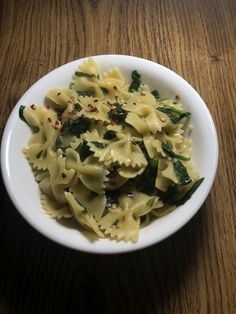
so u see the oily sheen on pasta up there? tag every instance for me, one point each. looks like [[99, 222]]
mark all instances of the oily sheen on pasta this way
[[110, 154]]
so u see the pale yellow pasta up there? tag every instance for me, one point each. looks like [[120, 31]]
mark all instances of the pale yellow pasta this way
[[108, 154]]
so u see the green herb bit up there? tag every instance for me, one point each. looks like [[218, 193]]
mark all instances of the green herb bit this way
[[84, 93], [181, 173], [83, 150], [21, 113], [136, 77], [112, 198], [167, 148], [170, 195], [147, 179], [59, 142], [104, 90], [110, 135], [156, 94], [74, 127], [151, 201], [100, 145], [83, 74], [190, 192], [174, 114], [144, 150], [78, 126], [118, 115], [77, 107]]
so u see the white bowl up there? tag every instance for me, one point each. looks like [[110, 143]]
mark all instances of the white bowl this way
[[24, 191]]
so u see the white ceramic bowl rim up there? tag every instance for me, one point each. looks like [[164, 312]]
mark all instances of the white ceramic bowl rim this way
[[13, 166]]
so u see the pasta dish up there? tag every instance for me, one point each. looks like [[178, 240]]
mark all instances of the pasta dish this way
[[111, 155]]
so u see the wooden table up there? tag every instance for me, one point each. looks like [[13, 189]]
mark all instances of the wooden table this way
[[194, 270]]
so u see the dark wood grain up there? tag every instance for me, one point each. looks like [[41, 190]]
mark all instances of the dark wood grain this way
[[192, 271]]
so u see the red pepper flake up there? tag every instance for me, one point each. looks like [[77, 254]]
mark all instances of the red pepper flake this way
[[63, 175], [143, 94], [177, 97], [114, 87], [33, 107], [49, 119], [92, 109], [69, 101], [58, 94]]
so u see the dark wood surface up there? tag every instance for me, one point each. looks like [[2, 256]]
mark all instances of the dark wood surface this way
[[194, 270]]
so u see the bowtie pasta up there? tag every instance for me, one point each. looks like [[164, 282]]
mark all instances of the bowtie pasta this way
[[111, 156]]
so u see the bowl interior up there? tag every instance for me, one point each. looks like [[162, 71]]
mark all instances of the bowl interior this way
[[24, 191]]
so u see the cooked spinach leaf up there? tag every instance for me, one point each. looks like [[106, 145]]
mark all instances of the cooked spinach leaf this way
[[77, 107], [167, 148], [99, 145], [190, 192], [110, 135], [147, 179], [104, 90], [21, 113], [136, 77], [174, 114], [73, 127], [181, 173], [83, 150], [156, 94], [85, 93], [83, 74], [118, 115], [112, 198], [169, 196]]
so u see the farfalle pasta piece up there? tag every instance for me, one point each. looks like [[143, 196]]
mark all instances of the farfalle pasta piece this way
[[121, 225], [40, 149], [62, 97], [121, 151], [61, 178], [81, 215], [55, 209], [93, 202], [144, 119], [93, 174]]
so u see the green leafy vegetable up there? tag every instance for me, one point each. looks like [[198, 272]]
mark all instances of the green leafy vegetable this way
[[143, 148], [21, 113], [156, 94], [174, 114], [110, 135], [136, 77], [77, 107], [170, 195], [59, 142], [85, 93], [167, 148], [83, 74], [181, 173], [190, 192], [151, 201], [112, 198], [118, 115], [104, 90], [147, 179], [99, 145], [83, 150], [74, 127]]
